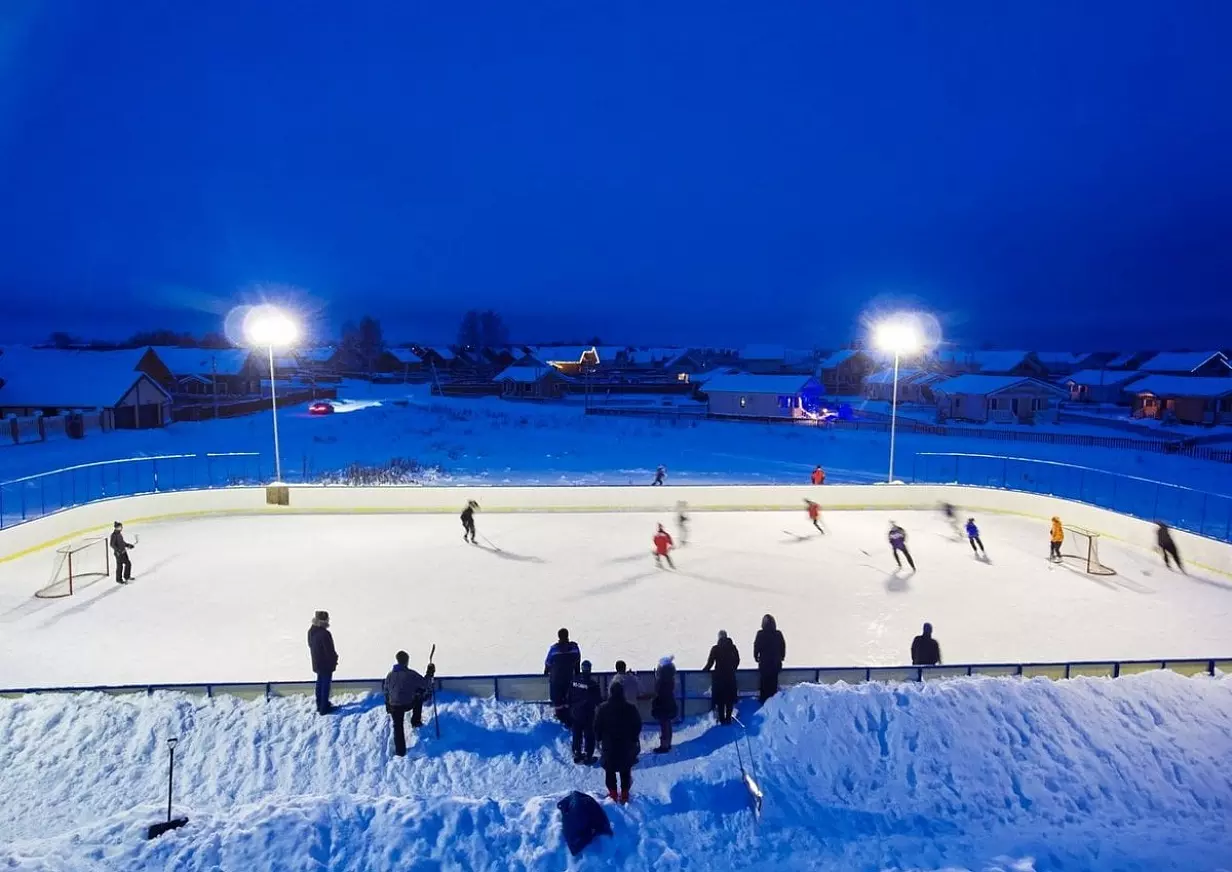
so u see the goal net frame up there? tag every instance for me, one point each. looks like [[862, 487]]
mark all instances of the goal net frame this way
[[1082, 545], [77, 563]]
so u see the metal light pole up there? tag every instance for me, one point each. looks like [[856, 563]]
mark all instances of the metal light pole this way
[[274, 409], [893, 420]]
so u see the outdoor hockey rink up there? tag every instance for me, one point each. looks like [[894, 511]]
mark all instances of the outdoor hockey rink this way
[[230, 598]]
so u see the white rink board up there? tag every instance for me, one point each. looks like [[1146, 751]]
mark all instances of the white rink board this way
[[228, 598]]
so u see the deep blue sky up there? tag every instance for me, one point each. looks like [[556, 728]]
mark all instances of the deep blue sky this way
[[1037, 173]]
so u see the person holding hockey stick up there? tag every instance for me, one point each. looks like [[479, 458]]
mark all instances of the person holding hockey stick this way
[[660, 474], [662, 545], [814, 513], [682, 522], [1055, 537], [120, 548], [1163, 537], [468, 522], [973, 536], [898, 544], [405, 690]]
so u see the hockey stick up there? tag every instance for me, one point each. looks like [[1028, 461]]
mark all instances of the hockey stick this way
[[436, 721]]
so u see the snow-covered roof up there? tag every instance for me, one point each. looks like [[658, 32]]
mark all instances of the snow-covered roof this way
[[570, 353], [886, 376], [404, 355], [1061, 358], [1097, 377], [207, 361], [709, 375], [651, 356], [976, 383], [1180, 361], [832, 360], [748, 383], [1172, 386], [321, 354], [444, 352], [984, 361], [68, 379], [526, 374], [1122, 360]]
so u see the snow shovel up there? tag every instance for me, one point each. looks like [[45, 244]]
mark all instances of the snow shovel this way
[[171, 823]]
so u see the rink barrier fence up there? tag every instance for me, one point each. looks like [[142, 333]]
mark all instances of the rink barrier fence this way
[[692, 686]]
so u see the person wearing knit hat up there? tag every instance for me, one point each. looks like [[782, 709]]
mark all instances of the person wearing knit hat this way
[[324, 659], [663, 708], [120, 548]]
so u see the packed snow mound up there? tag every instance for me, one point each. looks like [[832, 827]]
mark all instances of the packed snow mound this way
[[984, 773]]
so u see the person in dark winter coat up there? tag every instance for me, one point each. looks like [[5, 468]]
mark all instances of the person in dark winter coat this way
[[769, 650], [120, 548], [324, 659], [584, 699], [663, 708], [924, 649], [660, 474], [405, 690], [1163, 536], [468, 522], [562, 663], [724, 659], [618, 727]]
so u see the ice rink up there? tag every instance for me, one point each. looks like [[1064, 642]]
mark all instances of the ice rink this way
[[230, 598]]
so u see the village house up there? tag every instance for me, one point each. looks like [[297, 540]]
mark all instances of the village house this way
[[776, 359], [1100, 385], [1188, 399], [1024, 363], [528, 379], [1058, 363], [763, 396], [843, 372], [1128, 360], [1003, 399], [914, 385], [62, 386], [1210, 363], [222, 372]]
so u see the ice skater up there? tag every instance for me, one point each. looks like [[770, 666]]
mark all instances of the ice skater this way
[[898, 543], [1163, 536], [973, 536], [662, 545], [947, 509], [819, 475], [468, 522], [682, 522], [814, 513], [660, 474], [120, 548], [1055, 537]]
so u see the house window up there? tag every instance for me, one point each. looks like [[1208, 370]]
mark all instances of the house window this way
[[743, 402], [992, 404]]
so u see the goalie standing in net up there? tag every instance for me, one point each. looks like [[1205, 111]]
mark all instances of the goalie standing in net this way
[[120, 548]]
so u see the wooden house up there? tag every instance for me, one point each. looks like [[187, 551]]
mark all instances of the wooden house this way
[[999, 398]]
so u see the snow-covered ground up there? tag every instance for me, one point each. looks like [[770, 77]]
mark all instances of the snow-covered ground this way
[[229, 598], [489, 440], [1124, 775]]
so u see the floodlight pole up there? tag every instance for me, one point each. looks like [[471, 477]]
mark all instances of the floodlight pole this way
[[274, 408], [893, 418]]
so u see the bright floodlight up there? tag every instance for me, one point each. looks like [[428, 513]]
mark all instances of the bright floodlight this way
[[897, 336], [266, 325]]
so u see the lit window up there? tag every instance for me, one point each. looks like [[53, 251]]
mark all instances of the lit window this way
[[743, 402]]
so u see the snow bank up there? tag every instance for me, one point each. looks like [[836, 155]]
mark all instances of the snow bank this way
[[1125, 774]]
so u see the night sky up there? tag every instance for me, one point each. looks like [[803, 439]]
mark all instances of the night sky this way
[[1038, 174]]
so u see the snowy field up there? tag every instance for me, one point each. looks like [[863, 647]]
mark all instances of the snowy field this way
[[1089, 775], [229, 598], [493, 441]]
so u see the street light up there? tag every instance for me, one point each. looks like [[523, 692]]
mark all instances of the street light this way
[[900, 336], [268, 326]]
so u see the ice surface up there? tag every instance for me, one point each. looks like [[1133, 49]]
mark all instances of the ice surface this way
[[230, 598], [1123, 775]]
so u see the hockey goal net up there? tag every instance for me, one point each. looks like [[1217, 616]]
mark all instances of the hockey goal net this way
[[76, 565], [1081, 550]]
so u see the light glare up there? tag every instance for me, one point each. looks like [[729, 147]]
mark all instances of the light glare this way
[[266, 325], [898, 336]]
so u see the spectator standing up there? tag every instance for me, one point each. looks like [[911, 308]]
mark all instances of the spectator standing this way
[[663, 709], [618, 727], [120, 548], [924, 648], [405, 690], [1056, 536], [724, 659], [626, 679], [584, 699], [562, 663], [769, 650], [324, 659]]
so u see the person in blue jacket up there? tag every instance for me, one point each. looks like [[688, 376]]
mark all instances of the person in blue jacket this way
[[562, 663], [973, 536]]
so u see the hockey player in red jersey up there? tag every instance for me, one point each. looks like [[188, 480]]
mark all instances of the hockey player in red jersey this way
[[663, 544], [814, 513]]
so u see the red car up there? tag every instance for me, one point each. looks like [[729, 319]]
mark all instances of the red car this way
[[320, 407]]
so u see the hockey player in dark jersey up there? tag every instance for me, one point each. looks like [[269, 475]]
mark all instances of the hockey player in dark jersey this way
[[898, 544], [468, 522]]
